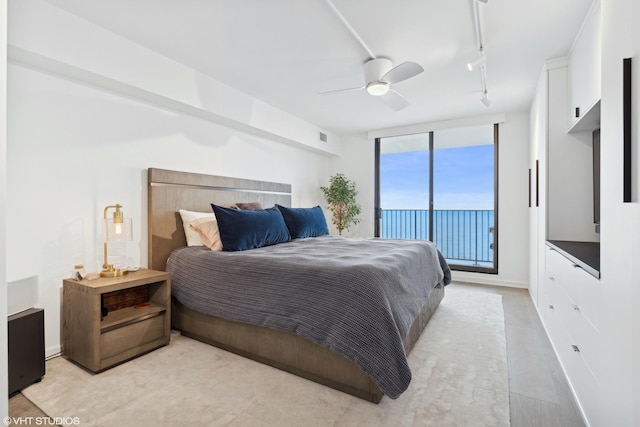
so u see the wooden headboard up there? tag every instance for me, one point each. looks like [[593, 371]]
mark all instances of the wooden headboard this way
[[168, 191]]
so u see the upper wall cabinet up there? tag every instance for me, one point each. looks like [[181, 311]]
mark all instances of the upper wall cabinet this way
[[585, 74]]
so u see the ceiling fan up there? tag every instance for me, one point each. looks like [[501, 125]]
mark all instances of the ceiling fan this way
[[379, 75]]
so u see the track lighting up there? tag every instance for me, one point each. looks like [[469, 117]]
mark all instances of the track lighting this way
[[479, 60], [485, 100]]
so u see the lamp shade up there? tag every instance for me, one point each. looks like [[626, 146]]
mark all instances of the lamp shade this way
[[118, 231]]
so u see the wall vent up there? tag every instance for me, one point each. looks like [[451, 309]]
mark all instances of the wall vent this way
[[323, 137]]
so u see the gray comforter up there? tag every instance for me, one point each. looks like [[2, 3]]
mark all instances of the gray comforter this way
[[357, 297]]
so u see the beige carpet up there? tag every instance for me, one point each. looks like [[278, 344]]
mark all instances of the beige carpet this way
[[459, 379]]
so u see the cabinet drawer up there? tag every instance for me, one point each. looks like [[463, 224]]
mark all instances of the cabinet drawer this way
[[581, 334], [578, 331], [552, 288], [584, 383], [550, 300], [130, 336], [553, 320], [555, 263], [584, 291]]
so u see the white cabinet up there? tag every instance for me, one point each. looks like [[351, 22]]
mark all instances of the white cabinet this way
[[585, 74], [537, 190], [571, 317], [561, 189], [546, 124], [566, 296]]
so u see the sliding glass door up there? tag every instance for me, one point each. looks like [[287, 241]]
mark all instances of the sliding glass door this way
[[405, 169], [441, 186]]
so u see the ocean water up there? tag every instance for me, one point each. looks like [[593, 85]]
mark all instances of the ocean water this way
[[462, 236]]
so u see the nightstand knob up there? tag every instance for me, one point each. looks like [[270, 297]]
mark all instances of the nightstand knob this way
[[551, 307], [575, 348]]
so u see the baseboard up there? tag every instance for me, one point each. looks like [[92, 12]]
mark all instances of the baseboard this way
[[54, 351], [486, 279]]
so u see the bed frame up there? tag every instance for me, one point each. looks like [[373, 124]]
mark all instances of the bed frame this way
[[169, 191]]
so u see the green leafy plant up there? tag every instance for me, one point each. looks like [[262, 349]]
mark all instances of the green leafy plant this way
[[341, 198]]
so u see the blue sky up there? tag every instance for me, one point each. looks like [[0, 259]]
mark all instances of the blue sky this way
[[463, 179]]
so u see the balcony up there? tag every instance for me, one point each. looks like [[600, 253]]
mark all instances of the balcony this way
[[464, 237]]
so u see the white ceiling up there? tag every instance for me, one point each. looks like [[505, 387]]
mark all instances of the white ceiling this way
[[285, 52]]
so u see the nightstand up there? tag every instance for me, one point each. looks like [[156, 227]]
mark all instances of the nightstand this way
[[137, 317]]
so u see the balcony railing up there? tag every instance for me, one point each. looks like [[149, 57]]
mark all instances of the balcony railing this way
[[463, 236]]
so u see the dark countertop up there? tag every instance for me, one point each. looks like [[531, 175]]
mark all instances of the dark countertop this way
[[584, 254]]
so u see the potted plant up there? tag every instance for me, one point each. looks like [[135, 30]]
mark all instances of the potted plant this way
[[341, 198]]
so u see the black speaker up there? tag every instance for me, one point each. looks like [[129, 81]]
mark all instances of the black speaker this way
[[26, 348]]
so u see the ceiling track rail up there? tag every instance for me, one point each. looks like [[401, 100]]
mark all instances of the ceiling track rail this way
[[479, 32]]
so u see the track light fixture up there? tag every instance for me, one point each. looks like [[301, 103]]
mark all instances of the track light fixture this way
[[485, 100], [476, 62], [480, 61]]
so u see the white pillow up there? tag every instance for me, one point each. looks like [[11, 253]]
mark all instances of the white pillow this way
[[209, 233], [193, 237]]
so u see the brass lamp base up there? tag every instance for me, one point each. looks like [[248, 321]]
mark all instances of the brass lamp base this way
[[113, 272]]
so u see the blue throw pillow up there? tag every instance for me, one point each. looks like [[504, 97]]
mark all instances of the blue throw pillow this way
[[304, 222], [242, 230]]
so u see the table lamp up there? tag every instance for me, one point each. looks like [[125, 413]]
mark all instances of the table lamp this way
[[117, 231]]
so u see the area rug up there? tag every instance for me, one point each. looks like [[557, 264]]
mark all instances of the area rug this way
[[459, 368]]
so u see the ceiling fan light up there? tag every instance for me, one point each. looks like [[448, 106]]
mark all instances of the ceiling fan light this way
[[486, 101], [476, 62], [377, 88]]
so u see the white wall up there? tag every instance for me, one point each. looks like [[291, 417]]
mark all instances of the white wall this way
[[74, 148], [40, 33], [4, 388], [358, 162]]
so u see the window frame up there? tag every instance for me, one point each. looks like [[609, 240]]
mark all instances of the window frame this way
[[496, 169]]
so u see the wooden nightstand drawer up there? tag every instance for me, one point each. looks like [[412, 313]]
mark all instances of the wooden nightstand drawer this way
[[119, 340]]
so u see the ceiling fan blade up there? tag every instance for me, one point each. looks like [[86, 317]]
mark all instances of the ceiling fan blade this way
[[342, 90], [394, 100], [404, 71]]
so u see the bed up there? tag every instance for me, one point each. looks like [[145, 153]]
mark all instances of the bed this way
[[271, 339]]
